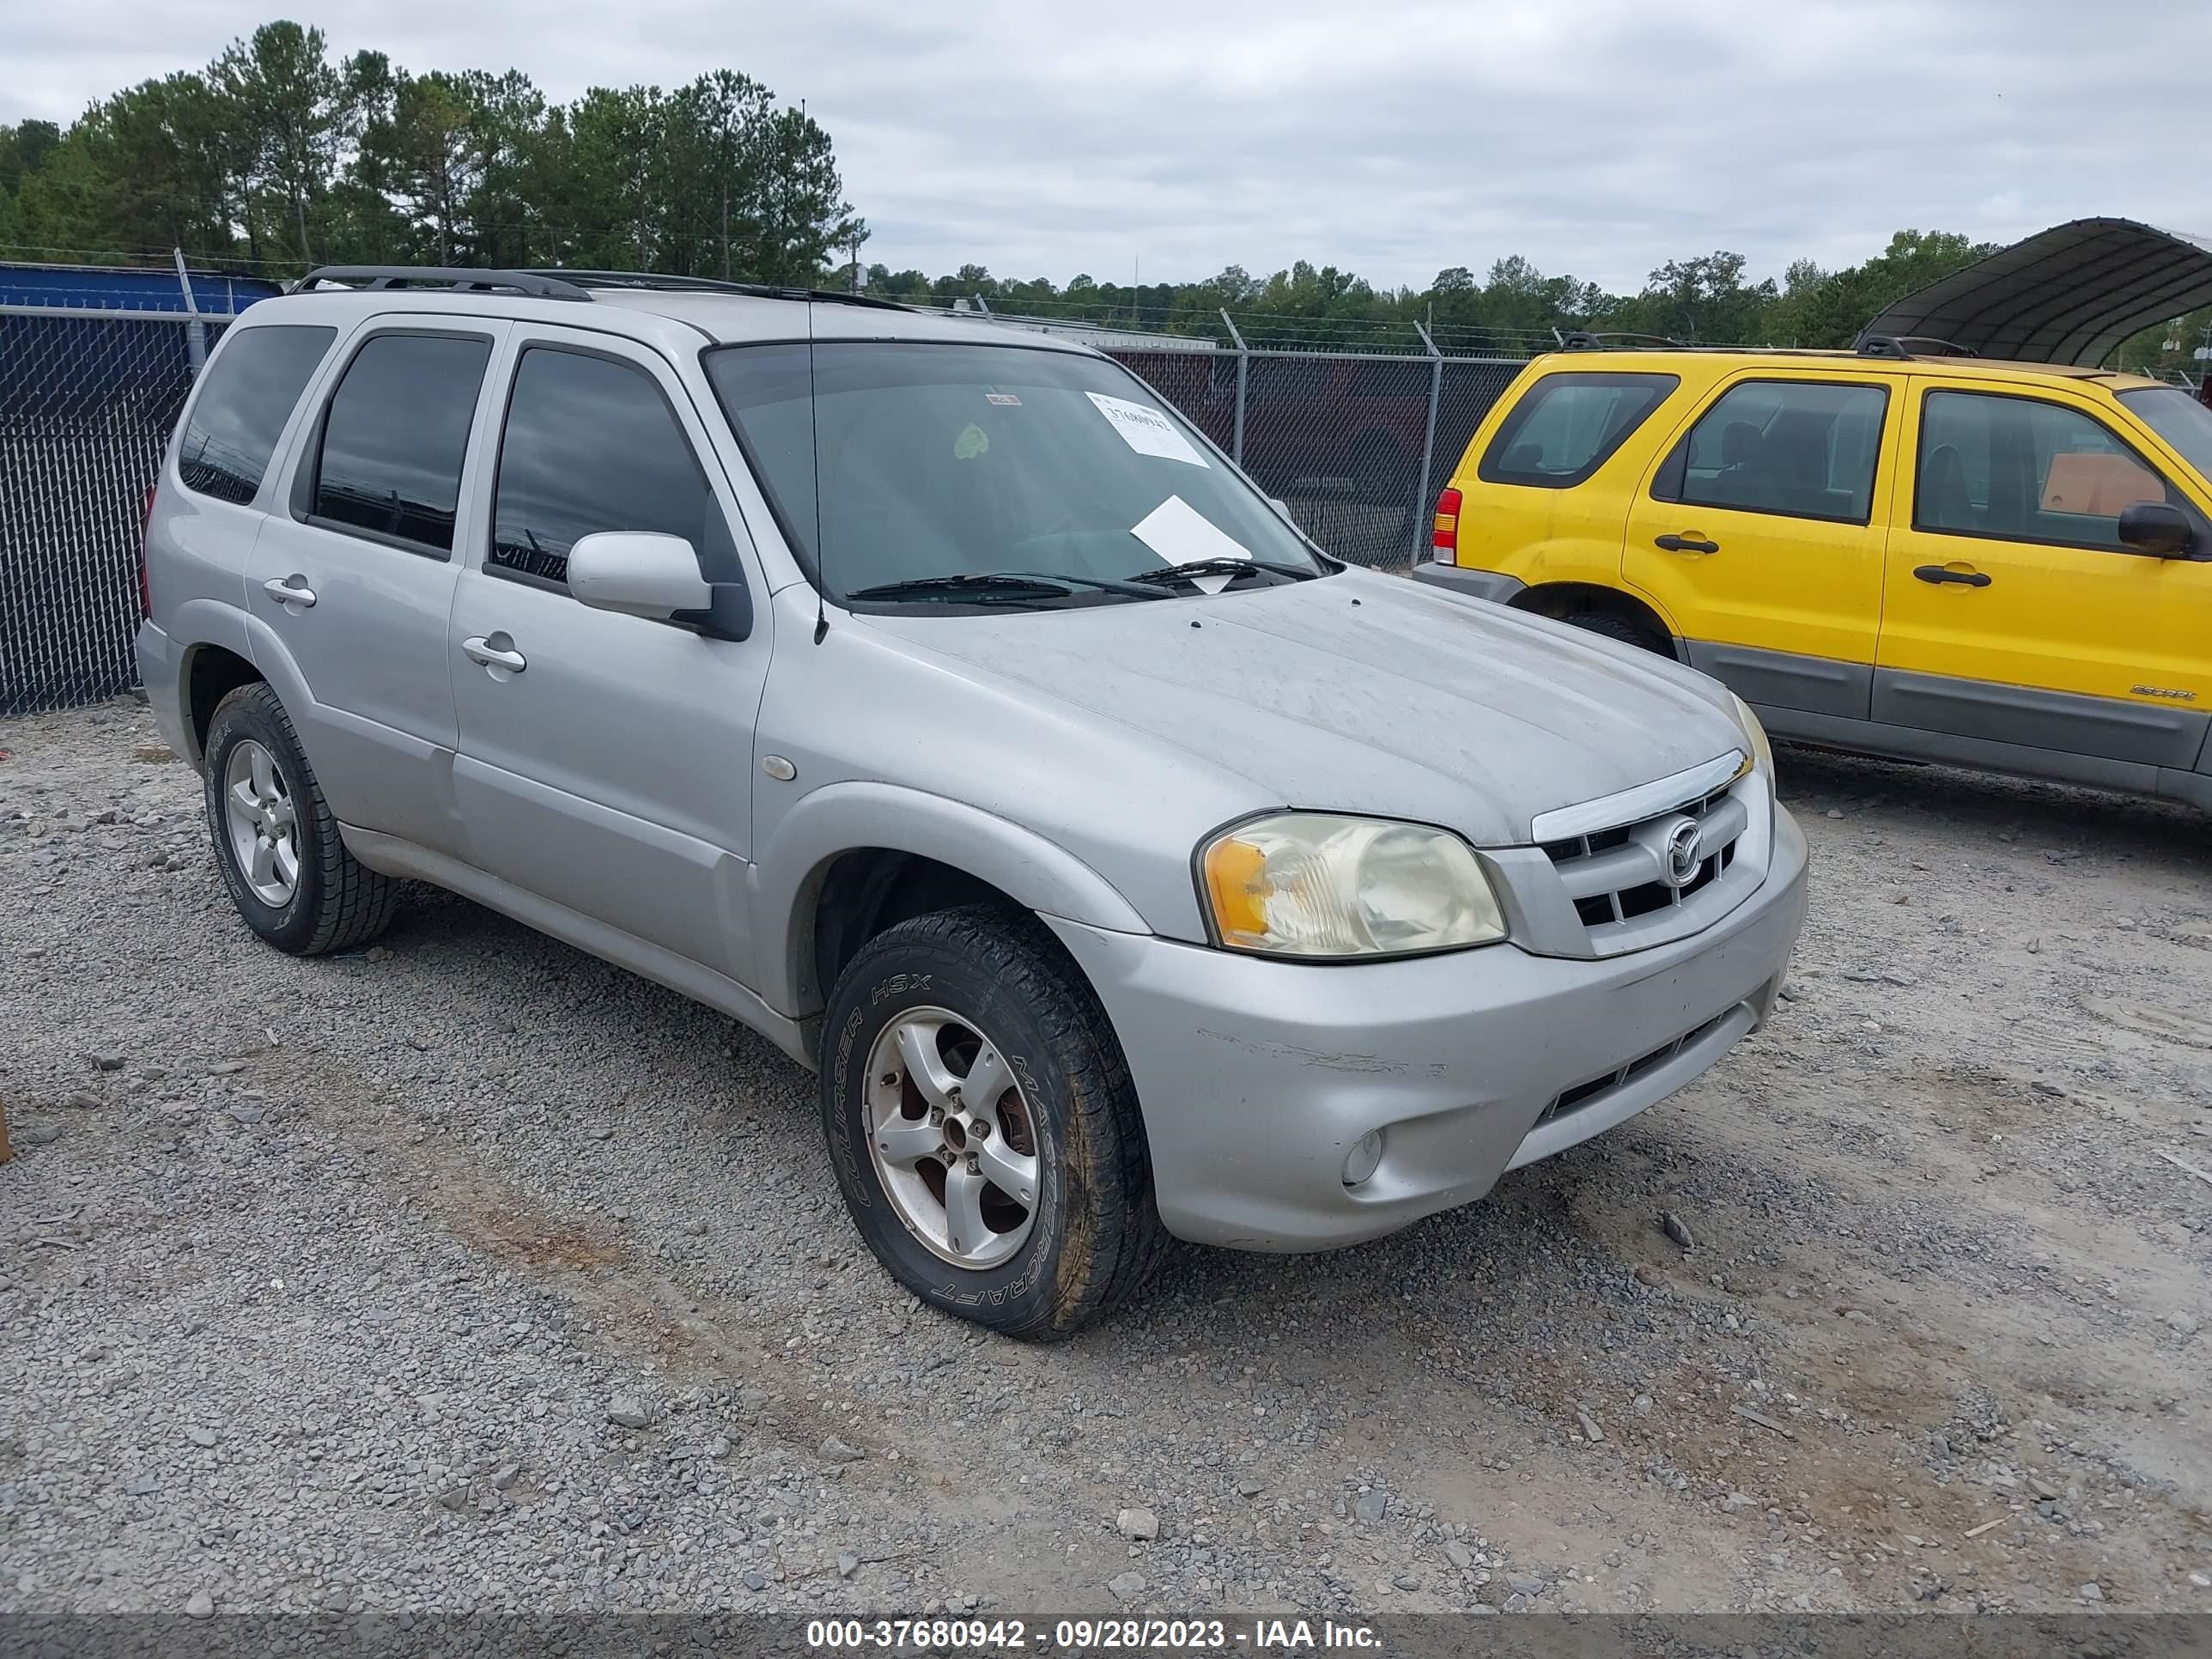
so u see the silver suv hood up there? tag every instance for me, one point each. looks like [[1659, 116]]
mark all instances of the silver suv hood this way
[[1364, 693]]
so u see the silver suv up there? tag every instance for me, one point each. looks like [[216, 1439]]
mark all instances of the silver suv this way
[[932, 699]]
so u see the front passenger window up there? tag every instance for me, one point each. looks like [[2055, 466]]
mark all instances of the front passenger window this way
[[591, 446], [2018, 468]]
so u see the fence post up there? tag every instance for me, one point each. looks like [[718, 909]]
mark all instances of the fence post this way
[[1243, 365], [195, 331], [1428, 439]]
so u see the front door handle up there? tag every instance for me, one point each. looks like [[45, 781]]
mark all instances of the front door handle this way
[[1689, 543], [289, 590], [487, 651], [1943, 573]]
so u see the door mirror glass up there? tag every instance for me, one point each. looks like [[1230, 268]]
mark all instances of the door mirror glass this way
[[2156, 528], [638, 573]]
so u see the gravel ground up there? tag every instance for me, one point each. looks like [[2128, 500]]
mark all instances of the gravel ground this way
[[468, 1271]]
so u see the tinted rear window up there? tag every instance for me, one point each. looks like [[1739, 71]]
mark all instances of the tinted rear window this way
[[1804, 449], [396, 436], [241, 413], [1566, 425]]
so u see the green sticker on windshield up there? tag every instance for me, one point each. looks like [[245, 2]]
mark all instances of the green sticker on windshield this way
[[972, 441]]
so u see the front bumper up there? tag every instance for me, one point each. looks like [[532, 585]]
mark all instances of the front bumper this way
[[1256, 1077]]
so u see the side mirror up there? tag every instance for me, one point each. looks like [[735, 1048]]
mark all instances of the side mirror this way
[[641, 574], [2155, 528], [638, 574], [1282, 507]]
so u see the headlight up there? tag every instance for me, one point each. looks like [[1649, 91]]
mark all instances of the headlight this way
[[1762, 752], [1320, 884]]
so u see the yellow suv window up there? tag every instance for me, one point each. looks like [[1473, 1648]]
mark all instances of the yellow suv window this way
[[1802, 449], [2020, 469], [1566, 425]]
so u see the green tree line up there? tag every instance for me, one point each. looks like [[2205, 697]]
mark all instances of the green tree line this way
[[1517, 308], [1704, 298], [277, 156]]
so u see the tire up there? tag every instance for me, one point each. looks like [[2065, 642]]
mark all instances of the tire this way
[[334, 902], [1092, 1232], [1620, 628]]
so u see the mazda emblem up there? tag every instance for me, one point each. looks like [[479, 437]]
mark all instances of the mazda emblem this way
[[1685, 851]]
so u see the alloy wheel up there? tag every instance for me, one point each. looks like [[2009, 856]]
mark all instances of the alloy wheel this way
[[265, 833], [953, 1138]]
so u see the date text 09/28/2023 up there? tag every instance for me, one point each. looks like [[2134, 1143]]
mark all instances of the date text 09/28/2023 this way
[[987, 1636]]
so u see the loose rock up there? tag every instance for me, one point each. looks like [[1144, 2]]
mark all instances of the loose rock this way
[[1137, 1523]]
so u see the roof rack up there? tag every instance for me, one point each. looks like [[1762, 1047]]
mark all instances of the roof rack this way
[[1900, 345], [537, 285], [655, 282], [1584, 339]]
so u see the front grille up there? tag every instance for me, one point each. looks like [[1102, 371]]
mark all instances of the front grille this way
[[1583, 1093], [1617, 875]]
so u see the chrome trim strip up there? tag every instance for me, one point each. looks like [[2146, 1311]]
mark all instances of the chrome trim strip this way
[[1631, 806]]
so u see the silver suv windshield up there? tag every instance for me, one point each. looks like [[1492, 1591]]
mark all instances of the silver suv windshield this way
[[2179, 419], [898, 468]]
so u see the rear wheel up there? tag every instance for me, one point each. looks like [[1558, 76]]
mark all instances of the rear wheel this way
[[1620, 628], [276, 841], [983, 1126]]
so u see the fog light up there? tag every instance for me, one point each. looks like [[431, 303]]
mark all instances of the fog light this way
[[1366, 1153]]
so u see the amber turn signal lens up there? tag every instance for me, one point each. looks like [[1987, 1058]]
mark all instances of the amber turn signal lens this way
[[1237, 881]]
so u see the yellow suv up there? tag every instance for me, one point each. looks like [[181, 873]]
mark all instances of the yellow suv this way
[[1940, 558]]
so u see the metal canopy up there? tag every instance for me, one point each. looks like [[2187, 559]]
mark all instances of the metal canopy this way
[[2069, 294]]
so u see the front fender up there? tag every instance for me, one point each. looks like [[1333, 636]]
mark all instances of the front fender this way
[[789, 870]]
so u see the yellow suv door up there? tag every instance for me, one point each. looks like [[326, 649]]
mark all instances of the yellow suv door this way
[[1759, 531], [2014, 613]]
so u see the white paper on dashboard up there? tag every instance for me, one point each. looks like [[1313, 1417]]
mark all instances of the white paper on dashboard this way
[[1179, 533], [1146, 430]]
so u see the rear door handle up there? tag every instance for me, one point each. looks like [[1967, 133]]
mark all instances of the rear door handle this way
[[281, 589], [1686, 543], [482, 650], [1939, 573]]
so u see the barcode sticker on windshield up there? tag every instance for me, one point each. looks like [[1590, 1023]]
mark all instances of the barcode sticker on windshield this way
[[1146, 430]]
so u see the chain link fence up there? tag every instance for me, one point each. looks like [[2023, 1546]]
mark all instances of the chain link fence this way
[[1355, 444], [86, 402]]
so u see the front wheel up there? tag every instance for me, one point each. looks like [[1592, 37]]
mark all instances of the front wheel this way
[[983, 1126]]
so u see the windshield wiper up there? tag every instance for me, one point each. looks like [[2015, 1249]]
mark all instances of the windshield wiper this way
[[1222, 565], [1010, 585], [975, 585]]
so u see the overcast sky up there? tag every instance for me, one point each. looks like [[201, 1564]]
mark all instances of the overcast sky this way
[[1596, 136]]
